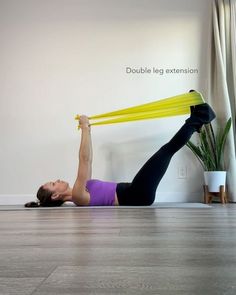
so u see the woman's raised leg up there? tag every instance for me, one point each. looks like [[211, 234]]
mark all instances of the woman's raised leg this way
[[142, 189]]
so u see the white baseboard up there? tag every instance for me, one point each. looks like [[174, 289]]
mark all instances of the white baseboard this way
[[185, 197]]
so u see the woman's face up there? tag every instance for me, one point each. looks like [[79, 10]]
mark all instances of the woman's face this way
[[58, 186]]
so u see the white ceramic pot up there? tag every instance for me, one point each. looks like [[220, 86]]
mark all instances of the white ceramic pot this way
[[214, 179]]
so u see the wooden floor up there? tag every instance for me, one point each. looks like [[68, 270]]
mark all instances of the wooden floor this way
[[118, 251]]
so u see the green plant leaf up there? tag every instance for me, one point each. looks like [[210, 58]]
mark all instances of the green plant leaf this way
[[197, 152], [221, 142], [210, 149]]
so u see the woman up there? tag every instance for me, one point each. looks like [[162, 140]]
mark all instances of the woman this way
[[140, 192]]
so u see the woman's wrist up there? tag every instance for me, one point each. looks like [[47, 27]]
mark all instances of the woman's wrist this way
[[85, 127]]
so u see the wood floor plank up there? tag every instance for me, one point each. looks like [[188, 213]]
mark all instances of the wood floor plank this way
[[19, 286], [138, 280], [112, 251]]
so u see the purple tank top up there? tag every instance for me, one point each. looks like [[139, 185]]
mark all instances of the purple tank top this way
[[102, 193]]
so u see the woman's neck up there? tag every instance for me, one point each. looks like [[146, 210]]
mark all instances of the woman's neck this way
[[68, 195]]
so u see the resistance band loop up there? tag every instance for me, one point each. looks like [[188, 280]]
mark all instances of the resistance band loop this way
[[172, 106]]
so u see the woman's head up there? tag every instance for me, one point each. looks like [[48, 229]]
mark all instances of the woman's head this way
[[51, 194]]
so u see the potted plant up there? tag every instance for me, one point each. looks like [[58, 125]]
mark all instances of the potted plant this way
[[209, 150]]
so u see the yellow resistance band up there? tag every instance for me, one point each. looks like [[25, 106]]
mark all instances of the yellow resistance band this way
[[172, 106]]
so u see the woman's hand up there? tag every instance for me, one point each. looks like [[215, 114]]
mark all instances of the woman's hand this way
[[84, 122]]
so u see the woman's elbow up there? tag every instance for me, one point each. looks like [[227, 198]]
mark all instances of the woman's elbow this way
[[85, 159]]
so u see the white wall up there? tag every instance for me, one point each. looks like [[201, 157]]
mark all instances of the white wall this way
[[62, 57]]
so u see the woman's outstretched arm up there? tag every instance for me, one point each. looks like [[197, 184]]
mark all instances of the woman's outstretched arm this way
[[80, 196]]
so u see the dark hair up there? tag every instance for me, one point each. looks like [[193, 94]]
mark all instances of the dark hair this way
[[45, 200]]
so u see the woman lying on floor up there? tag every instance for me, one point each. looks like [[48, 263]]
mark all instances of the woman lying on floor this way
[[140, 192]]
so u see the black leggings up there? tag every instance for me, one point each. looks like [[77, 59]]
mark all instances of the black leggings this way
[[141, 191]]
